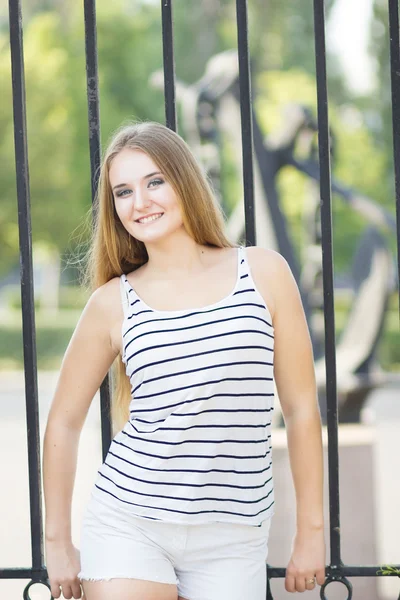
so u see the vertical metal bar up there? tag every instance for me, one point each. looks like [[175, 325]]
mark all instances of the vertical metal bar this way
[[27, 292], [246, 120], [169, 65], [92, 82], [327, 264], [395, 79]]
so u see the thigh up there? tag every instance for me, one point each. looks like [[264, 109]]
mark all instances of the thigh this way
[[128, 589], [225, 562], [121, 552]]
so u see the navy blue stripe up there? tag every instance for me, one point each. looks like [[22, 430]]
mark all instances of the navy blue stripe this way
[[225, 410], [191, 485], [205, 368], [180, 499], [198, 340], [196, 312], [134, 302], [186, 356], [196, 326], [134, 437], [201, 456], [248, 395], [184, 512], [211, 410], [245, 290], [141, 312], [209, 426], [200, 384], [230, 471]]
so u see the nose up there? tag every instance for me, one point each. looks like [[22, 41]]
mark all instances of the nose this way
[[141, 199]]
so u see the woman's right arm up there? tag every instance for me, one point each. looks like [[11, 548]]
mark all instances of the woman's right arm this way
[[86, 362]]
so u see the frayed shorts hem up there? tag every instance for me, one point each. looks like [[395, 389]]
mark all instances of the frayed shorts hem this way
[[139, 577]]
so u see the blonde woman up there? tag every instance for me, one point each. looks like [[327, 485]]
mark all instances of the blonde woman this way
[[196, 328]]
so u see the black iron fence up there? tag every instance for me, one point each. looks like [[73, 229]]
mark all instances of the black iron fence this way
[[336, 570]]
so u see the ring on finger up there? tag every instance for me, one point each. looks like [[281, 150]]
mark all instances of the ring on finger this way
[[311, 581]]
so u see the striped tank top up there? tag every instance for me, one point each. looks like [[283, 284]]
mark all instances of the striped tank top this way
[[197, 445]]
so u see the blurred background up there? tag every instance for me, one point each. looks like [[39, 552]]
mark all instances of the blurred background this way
[[129, 52], [284, 93]]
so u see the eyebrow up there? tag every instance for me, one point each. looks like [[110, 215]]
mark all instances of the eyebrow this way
[[120, 185]]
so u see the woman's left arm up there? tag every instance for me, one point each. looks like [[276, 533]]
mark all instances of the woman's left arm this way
[[295, 381]]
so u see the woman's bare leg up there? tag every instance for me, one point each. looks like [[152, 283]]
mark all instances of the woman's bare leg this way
[[128, 589]]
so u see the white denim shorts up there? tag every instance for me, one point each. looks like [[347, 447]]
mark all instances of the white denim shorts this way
[[216, 561]]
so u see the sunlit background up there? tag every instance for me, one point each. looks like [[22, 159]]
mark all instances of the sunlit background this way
[[129, 54]]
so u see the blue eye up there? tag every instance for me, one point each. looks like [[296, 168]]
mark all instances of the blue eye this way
[[156, 181], [122, 193]]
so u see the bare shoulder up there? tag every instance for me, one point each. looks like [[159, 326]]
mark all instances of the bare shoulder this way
[[101, 302], [271, 260], [271, 273], [106, 300], [105, 296], [88, 357]]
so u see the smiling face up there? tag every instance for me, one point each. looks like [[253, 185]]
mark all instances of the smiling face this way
[[140, 189]]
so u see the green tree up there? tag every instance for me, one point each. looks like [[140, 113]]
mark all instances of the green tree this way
[[129, 50], [57, 116], [379, 104]]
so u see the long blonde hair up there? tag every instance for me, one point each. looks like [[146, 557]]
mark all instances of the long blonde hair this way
[[113, 251]]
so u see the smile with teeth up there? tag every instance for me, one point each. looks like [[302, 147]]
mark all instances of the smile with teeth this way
[[149, 219]]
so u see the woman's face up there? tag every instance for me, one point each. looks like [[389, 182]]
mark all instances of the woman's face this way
[[140, 189]]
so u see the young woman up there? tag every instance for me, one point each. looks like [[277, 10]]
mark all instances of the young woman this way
[[197, 329]]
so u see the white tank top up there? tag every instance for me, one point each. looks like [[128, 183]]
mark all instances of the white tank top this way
[[197, 445]]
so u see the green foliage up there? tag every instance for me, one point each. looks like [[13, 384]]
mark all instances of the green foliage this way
[[378, 106], [129, 51], [70, 297], [57, 116], [388, 570], [51, 344]]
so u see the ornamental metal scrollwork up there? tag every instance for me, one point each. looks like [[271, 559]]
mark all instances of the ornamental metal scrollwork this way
[[26, 595], [340, 579]]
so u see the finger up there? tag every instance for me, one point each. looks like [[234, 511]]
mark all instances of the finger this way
[[290, 583], [300, 584], [55, 590], [310, 585], [76, 590], [320, 574], [67, 592]]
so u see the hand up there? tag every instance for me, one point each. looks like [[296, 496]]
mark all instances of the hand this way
[[63, 566], [307, 561]]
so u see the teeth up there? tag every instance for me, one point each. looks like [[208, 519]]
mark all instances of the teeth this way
[[148, 219]]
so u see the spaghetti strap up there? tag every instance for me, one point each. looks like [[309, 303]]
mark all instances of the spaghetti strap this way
[[242, 258], [124, 296]]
